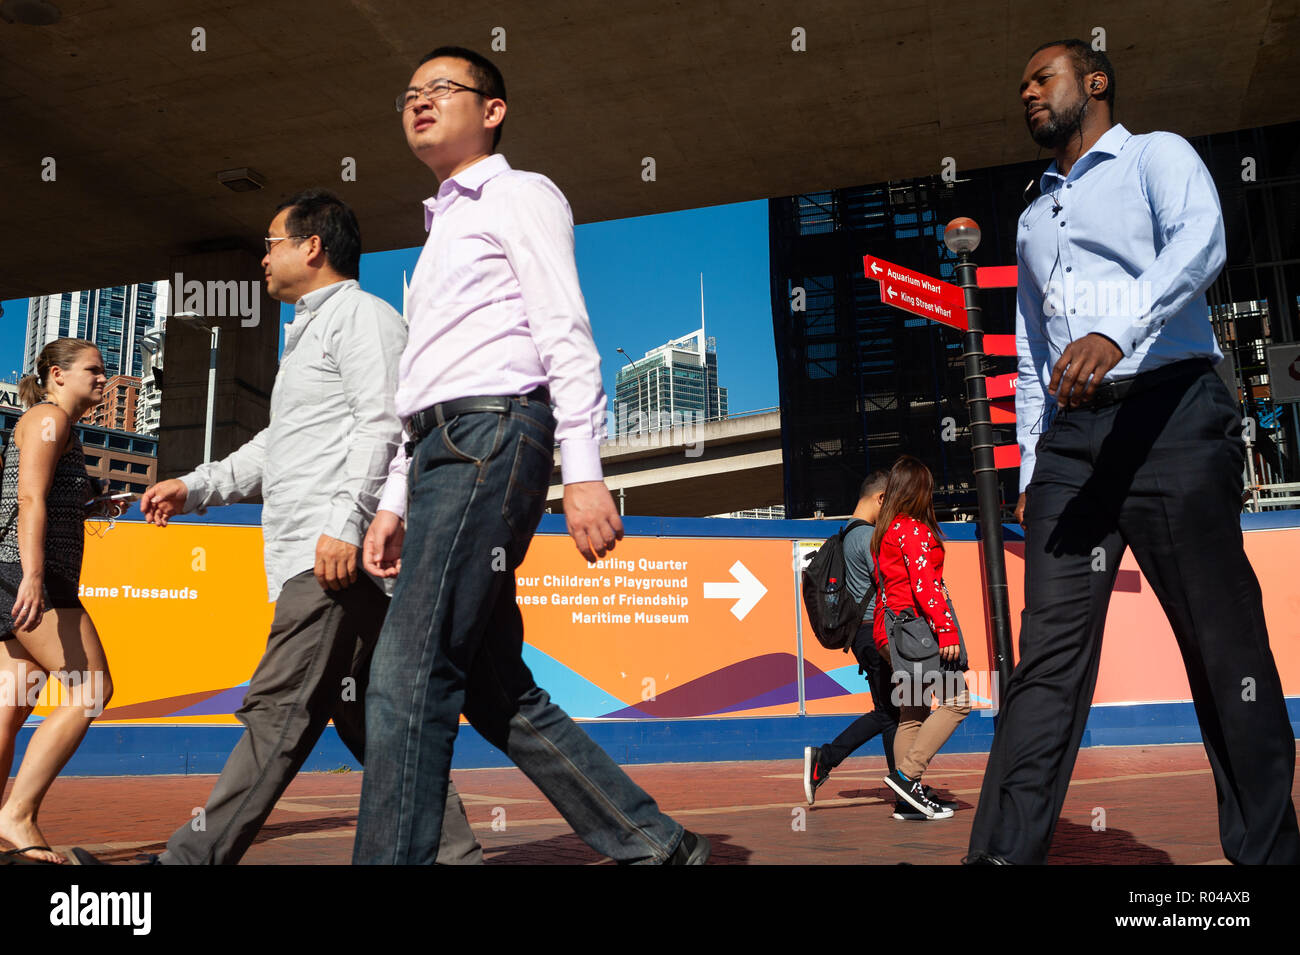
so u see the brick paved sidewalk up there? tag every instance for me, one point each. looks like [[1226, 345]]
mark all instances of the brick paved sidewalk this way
[[1158, 803]]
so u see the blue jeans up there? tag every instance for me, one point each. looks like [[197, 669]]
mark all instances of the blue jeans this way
[[452, 644]]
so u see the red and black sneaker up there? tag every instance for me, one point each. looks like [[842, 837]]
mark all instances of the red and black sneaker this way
[[814, 773]]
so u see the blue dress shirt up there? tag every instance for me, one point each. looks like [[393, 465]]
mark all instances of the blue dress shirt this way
[[1124, 246]]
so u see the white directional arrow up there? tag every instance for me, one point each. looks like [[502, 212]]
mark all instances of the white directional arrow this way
[[876, 268], [889, 290], [746, 591]]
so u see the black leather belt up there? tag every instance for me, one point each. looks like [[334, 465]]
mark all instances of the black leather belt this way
[[1113, 392], [435, 416]]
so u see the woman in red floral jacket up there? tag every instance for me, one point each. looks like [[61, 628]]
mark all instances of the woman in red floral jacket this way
[[909, 559]]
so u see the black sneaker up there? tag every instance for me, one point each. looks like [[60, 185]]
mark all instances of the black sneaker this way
[[910, 791], [905, 813], [814, 774], [692, 850], [933, 796]]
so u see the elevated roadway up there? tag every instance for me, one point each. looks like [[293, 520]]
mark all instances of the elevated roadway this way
[[717, 467]]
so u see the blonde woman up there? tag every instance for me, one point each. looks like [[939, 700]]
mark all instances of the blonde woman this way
[[44, 629]]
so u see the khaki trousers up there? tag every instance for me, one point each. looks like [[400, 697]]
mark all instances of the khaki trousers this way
[[923, 731]]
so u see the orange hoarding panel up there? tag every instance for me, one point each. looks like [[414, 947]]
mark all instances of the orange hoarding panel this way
[[663, 627], [183, 615]]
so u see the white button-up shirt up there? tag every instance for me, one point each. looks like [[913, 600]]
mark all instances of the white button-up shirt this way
[[495, 309], [321, 461]]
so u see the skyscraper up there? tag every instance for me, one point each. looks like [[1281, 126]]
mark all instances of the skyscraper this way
[[863, 382], [115, 319], [672, 384]]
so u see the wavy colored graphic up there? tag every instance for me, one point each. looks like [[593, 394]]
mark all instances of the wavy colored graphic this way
[[221, 703], [750, 684], [166, 706], [204, 703], [849, 678], [766, 680], [573, 692]]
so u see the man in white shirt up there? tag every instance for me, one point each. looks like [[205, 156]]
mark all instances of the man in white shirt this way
[[319, 466], [499, 331]]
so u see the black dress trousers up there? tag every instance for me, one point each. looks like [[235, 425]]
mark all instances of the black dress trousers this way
[[1160, 472]]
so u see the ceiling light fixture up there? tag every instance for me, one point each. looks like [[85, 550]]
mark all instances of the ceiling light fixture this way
[[242, 179]]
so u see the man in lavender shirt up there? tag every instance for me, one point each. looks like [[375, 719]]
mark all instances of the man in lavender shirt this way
[[498, 333]]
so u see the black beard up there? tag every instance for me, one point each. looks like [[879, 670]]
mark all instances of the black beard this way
[[1056, 130]]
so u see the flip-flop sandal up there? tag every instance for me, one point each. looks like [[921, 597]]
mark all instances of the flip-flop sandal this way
[[18, 856], [79, 856]]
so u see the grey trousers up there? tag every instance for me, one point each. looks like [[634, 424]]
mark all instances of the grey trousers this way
[[316, 666]]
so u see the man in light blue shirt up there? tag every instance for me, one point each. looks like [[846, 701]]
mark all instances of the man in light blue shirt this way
[[1128, 439], [1114, 259]]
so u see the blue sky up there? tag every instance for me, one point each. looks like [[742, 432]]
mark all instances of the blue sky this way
[[641, 280]]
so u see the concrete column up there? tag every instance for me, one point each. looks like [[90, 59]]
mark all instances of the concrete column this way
[[230, 293]]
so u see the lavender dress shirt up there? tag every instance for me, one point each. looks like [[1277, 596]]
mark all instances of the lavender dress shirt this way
[[495, 309]]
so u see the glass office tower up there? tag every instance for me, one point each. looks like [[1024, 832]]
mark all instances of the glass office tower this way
[[862, 382], [115, 319], [669, 385]]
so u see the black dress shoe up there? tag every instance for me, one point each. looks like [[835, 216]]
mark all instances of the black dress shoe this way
[[692, 850], [79, 856], [984, 858]]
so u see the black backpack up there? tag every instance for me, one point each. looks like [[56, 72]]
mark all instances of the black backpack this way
[[834, 614]]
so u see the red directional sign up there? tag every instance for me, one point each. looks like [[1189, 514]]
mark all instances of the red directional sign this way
[[996, 276], [1002, 386], [1002, 411], [1000, 345], [916, 293], [1006, 456]]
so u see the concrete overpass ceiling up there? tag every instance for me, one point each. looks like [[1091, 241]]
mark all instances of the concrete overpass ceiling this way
[[139, 123]]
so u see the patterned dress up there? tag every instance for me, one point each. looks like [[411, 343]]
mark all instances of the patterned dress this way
[[64, 532]]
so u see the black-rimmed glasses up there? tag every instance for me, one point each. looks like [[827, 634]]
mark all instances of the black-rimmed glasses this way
[[433, 90]]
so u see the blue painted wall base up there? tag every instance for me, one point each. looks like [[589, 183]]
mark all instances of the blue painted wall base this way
[[144, 750]]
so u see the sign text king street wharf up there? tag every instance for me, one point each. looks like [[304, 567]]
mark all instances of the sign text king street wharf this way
[[916, 293]]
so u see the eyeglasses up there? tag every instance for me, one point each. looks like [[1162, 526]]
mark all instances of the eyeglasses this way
[[267, 240], [434, 90]]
